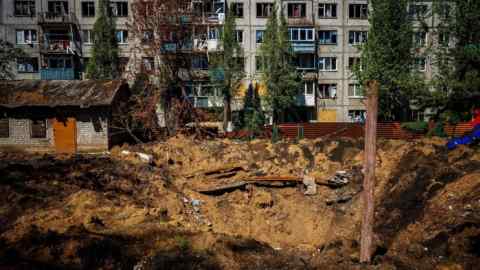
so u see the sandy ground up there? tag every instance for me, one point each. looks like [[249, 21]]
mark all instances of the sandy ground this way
[[119, 211]]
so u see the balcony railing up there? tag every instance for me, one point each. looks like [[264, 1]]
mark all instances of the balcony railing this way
[[60, 47], [55, 17], [57, 74]]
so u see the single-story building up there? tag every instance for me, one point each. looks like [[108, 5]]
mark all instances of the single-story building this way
[[59, 116]]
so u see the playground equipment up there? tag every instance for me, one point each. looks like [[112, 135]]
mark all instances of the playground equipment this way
[[470, 138]]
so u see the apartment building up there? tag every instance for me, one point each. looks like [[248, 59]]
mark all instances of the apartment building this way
[[324, 36]]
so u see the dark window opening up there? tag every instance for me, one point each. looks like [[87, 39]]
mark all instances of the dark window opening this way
[[4, 128], [297, 10], [58, 8], [88, 9], [27, 65], [264, 9], [24, 8], [238, 10], [38, 129], [118, 9], [358, 11]]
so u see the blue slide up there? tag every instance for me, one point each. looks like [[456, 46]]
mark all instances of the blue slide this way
[[466, 140]]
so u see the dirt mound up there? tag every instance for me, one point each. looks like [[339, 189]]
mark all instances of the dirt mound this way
[[224, 204]]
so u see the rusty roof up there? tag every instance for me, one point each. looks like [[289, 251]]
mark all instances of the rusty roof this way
[[58, 93]]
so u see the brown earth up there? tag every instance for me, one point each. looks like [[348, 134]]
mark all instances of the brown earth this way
[[120, 212]]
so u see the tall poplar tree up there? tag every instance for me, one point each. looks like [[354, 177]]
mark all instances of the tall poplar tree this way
[[279, 75], [104, 61], [387, 56]]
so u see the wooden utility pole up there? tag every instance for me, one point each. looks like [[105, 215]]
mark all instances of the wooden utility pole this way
[[369, 172]]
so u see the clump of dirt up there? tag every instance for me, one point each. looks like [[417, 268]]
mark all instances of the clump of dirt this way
[[120, 211]]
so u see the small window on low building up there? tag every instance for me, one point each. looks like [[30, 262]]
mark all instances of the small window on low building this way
[[4, 128], [38, 128]]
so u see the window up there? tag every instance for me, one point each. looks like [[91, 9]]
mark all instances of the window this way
[[4, 128], [58, 8], [213, 34], [59, 62], [444, 11], [122, 64], [296, 10], [27, 65], [264, 10], [327, 64], [148, 64], [358, 11], [300, 34], [238, 10], [444, 38], [122, 36], [26, 36], [357, 115], [420, 39], [24, 8], [355, 91], [357, 37], [259, 36], [87, 36], [38, 129], [326, 11], [417, 11], [305, 61], [239, 36], [420, 64], [88, 9], [260, 63], [147, 36], [353, 61], [199, 62], [328, 37], [309, 88], [118, 9], [327, 91]]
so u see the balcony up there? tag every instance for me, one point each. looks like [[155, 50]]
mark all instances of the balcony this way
[[50, 46], [57, 18], [57, 74]]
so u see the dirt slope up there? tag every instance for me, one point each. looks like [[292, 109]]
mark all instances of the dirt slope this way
[[121, 212]]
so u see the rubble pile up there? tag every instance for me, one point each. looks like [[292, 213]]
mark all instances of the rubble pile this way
[[226, 204]]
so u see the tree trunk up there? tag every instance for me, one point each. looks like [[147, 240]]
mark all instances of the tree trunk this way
[[227, 111], [369, 171]]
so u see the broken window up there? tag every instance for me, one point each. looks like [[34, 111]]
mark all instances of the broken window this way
[[239, 36], [118, 9], [327, 10], [264, 10], [305, 61], [28, 36], [297, 10], [38, 128], [327, 64], [4, 128], [327, 37], [58, 8], [238, 10], [355, 91], [358, 11], [24, 8], [357, 37], [27, 65], [88, 9], [327, 91]]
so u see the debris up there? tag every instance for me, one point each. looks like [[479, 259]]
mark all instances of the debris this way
[[309, 182], [222, 172], [340, 179], [142, 156]]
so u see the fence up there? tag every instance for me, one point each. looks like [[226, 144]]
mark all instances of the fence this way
[[386, 130]]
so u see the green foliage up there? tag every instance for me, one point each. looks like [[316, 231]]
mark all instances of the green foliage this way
[[182, 243], [8, 55], [280, 77], [457, 81], [417, 127], [228, 71], [104, 61], [252, 117], [276, 136], [387, 57]]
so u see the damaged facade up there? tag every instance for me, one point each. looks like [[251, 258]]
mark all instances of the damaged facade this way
[[61, 116], [57, 35]]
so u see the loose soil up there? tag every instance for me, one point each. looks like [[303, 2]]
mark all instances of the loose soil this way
[[118, 211]]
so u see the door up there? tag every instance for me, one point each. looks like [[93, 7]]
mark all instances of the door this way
[[327, 116], [65, 134]]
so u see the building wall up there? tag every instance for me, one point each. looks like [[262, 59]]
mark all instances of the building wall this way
[[91, 135]]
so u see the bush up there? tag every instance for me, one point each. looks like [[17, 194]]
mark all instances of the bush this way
[[416, 127]]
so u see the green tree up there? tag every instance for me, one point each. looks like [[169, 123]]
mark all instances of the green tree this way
[[104, 61], [228, 66], [457, 81], [8, 55], [387, 56], [279, 75], [252, 117]]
